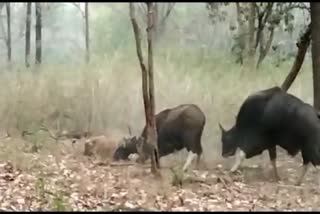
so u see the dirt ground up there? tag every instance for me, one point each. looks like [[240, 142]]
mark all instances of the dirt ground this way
[[64, 180]]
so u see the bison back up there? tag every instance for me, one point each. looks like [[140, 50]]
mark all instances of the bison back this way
[[252, 109]]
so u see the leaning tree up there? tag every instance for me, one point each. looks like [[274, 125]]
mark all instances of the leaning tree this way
[[315, 36], [312, 34], [147, 86]]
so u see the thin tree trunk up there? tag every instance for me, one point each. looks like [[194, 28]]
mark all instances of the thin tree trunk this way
[[242, 40], [147, 88], [38, 33], [87, 32], [251, 41], [265, 50], [164, 17], [262, 20], [28, 25], [137, 35], [153, 133], [155, 18], [8, 31], [315, 38], [302, 45]]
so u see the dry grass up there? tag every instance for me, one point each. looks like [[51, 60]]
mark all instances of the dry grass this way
[[107, 97]]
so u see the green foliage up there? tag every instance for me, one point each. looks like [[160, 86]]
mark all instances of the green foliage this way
[[41, 191], [59, 203], [269, 16], [215, 12], [177, 178]]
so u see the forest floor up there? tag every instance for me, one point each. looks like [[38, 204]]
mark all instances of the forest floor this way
[[48, 180]]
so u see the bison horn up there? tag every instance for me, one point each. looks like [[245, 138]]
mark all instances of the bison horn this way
[[221, 128], [129, 130]]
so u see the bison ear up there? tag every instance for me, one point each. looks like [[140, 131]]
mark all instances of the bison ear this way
[[222, 129], [124, 143]]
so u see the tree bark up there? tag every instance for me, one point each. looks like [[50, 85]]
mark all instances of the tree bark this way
[[8, 31], [137, 35], [263, 17], [251, 41], [147, 85], [155, 20], [242, 41], [153, 133], [162, 20], [265, 49], [302, 45], [28, 25], [38, 33], [315, 37], [87, 32]]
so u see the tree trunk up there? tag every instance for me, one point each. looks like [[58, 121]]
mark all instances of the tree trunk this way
[[302, 45], [153, 133], [38, 32], [265, 49], [28, 25], [137, 34], [263, 17], [8, 31], [315, 38], [147, 86], [155, 20], [162, 19], [241, 40], [87, 32], [251, 41]]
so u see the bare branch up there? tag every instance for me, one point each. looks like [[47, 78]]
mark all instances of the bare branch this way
[[137, 36], [167, 13], [302, 45], [77, 5], [129, 130], [265, 49], [4, 37], [262, 20]]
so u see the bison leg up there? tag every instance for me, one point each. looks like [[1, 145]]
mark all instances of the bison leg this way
[[273, 157], [303, 173], [198, 160], [304, 167], [240, 156], [189, 160]]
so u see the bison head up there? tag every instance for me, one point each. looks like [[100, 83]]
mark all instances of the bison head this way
[[125, 149], [229, 146]]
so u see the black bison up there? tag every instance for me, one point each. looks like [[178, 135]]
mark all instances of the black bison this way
[[273, 118], [177, 128]]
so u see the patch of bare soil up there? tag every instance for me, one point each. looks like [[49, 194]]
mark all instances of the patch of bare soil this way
[[73, 182]]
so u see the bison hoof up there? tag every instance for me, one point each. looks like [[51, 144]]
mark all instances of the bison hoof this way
[[233, 170], [297, 183], [276, 177]]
